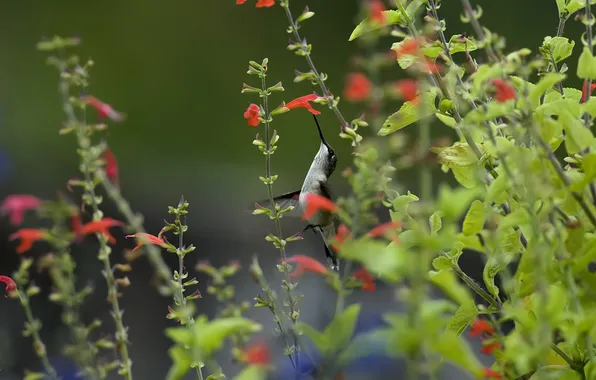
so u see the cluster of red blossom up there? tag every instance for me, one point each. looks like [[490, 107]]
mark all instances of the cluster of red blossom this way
[[253, 112], [486, 331]]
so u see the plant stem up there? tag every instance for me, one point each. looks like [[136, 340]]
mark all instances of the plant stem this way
[[104, 250], [332, 104], [282, 248]]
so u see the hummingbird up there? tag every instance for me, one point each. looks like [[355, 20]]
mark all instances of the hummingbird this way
[[323, 223]]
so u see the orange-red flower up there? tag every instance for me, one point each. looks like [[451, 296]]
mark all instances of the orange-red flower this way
[[111, 166], [585, 94], [488, 346], [358, 87], [257, 353], [9, 282], [368, 281], [103, 109], [305, 263], [481, 326], [491, 374], [343, 234], [376, 9], [145, 238], [252, 114], [409, 46], [101, 226], [407, 89], [16, 205], [28, 236], [314, 203], [503, 91], [382, 229], [260, 3], [430, 67], [303, 102]]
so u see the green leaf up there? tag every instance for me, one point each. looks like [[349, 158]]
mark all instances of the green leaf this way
[[367, 25], [464, 315], [457, 44], [456, 350], [475, 218], [209, 337], [497, 191], [410, 113], [557, 48], [386, 262], [447, 120], [586, 65], [491, 269], [181, 361], [589, 107], [561, 6], [442, 263], [452, 203], [544, 84], [447, 281], [340, 330], [435, 222], [253, 372], [578, 138], [319, 339], [180, 335], [365, 344], [457, 155], [575, 5]]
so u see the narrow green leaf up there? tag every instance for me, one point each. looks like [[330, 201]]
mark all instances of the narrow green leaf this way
[[544, 84], [586, 65], [491, 269], [446, 280], [383, 261], [435, 222], [181, 361], [410, 113], [464, 315], [319, 339], [447, 120], [367, 25], [457, 351], [340, 330], [475, 218]]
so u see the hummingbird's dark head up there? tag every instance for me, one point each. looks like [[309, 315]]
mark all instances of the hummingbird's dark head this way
[[326, 152]]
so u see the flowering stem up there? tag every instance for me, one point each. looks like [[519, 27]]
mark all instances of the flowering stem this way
[[34, 326], [306, 52], [136, 222], [287, 284], [478, 29], [92, 200]]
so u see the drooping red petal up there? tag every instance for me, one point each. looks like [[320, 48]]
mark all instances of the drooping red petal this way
[[303, 102], [585, 94], [368, 281], [481, 326], [343, 233], [9, 282], [265, 3], [111, 167], [314, 203], [101, 226], [28, 236], [489, 347], [257, 353], [409, 46], [305, 263], [382, 229], [491, 374], [376, 11], [145, 238], [503, 91], [238, 2], [358, 87], [16, 205], [407, 89], [103, 109]]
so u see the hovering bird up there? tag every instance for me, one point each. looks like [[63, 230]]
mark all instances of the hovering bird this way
[[322, 223]]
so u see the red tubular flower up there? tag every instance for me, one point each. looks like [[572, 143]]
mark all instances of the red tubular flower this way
[[314, 203], [238, 2], [368, 281], [376, 9], [585, 94], [481, 326], [342, 234], [407, 88], [252, 114], [305, 263], [28, 236], [145, 238], [409, 46], [16, 205], [382, 229], [101, 226], [488, 347], [503, 91], [430, 67], [491, 374], [303, 102], [9, 282], [111, 167], [257, 353], [103, 109], [265, 3], [358, 87]]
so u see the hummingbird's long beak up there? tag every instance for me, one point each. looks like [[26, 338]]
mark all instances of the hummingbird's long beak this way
[[320, 131]]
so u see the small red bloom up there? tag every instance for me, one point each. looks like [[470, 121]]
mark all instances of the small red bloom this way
[[503, 92], [10, 284], [409, 46], [305, 263], [488, 347], [103, 109], [303, 102], [358, 87], [491, 374], [430, 67], [376, 9], [481, 326], [368, 281], [111, 166], [382, 229], [101, 226], [145, 238], [75, 222], [257, 353], [28, 236], [314, 203], [265, 3], [16, 205], [407, 88], [252, 114], [342, 234], [585, 94], [240, 2]]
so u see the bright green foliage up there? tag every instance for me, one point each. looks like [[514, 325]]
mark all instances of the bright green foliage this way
[[410, 112]]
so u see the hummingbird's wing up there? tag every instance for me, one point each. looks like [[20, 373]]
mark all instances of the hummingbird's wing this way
[[285, 200]]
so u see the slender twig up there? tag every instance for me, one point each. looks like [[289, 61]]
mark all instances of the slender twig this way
[[326, 93], [479, 31]]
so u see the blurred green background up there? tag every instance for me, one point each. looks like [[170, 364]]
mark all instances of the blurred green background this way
[[176, 69]]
